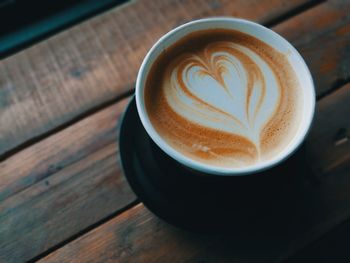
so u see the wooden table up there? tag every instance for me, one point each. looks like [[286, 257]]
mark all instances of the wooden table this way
[[63, 196]]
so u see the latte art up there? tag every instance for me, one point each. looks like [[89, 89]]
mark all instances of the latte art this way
[[223, 88], [224, 98]]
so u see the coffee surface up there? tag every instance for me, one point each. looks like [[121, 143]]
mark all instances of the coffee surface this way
[[224, 98]]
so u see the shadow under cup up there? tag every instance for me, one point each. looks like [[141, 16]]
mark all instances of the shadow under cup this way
[[262, 33], [261, 204]]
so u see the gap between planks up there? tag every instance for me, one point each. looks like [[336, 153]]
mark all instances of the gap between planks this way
[[84, 231], [63, 126]]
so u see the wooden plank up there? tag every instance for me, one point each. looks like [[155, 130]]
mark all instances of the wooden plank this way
[[134, 236], [58, 80], [139, 236], [78, 183], [322, 35], [53, 154], [333, 133]]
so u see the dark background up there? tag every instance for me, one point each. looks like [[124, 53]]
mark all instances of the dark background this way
[[24, 22]]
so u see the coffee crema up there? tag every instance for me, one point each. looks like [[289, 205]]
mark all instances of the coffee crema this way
[[223, 98]]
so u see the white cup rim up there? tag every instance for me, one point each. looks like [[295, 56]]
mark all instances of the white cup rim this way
[[206, 168]]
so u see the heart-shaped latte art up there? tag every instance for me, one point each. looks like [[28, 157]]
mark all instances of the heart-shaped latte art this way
[[226, 103], [224, 88]]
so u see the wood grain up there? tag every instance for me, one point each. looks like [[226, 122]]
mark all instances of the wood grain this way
[[56, 81], [332, 133], [322, 36], [60, 150], [78, 182], [139, 236], [134, 236]]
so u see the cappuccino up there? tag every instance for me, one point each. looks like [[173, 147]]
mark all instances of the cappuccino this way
[[224, 98]]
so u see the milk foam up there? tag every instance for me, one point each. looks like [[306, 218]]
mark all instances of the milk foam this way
[[224, 98]]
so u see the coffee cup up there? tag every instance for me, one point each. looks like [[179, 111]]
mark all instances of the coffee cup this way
[[225, 96]]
